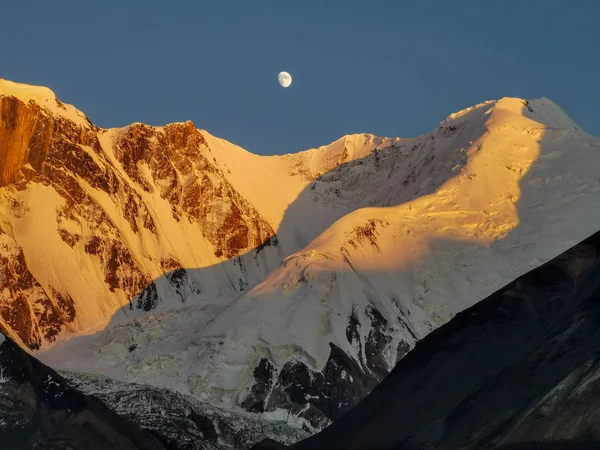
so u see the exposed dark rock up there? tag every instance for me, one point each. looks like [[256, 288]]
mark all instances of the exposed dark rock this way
[[69, 238], [51, 150], [352, 333], [177, 277], [205, 425], [296, 387], [376, 343], [27, 133], [321, 396], [402, 350], [29, 299], [346, 382], [263, 380], [271, 242], [368, 232], [181, 422], [268, 444], [169, 264], [148, 298], [528, 106], [180, 151], [182, 284]]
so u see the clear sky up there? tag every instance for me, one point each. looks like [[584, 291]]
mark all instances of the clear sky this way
[[387, 67]]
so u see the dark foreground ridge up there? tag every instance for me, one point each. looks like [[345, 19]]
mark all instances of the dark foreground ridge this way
[[519, 370], [39, 410]]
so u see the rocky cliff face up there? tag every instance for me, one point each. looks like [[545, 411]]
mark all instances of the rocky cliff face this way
[[38, 409], [30, 140]]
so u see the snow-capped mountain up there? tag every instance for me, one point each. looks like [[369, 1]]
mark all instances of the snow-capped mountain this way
[[38, 409], [90, 217], [519, 370], [284, 285]]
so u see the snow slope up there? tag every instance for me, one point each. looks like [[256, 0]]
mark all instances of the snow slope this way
[[520, 369], [388, 244], [274, 184]]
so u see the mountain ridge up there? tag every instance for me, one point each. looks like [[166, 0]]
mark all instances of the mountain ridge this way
[[262, 284], [47, 99]]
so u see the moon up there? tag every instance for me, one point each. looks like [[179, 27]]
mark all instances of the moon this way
[[285, 79]]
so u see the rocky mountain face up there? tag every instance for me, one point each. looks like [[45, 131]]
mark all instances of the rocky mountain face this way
[[284, 286], [38, 409], [96, 181], [518, 370]]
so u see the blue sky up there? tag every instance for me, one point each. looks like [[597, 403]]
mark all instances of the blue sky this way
[[392, 68]]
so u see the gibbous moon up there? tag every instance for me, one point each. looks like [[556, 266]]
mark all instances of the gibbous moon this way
[[285, 79]]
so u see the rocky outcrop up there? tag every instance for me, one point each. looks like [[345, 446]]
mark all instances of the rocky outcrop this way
[[268, 444], [38, 409], [518, 370], [321, 396], [180, 162], [31, 312]]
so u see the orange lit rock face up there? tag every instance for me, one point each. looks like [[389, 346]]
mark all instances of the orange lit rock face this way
[[20, 126], [35, 314], [97, 188], [30, 136], [180, 161]]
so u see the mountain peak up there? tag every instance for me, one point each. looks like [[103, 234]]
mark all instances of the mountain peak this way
[[45, 98], [464, 112], [26, 92], [541, 110]]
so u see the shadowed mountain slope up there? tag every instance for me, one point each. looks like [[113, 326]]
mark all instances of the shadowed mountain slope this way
[[38, 409], [520, 369]]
